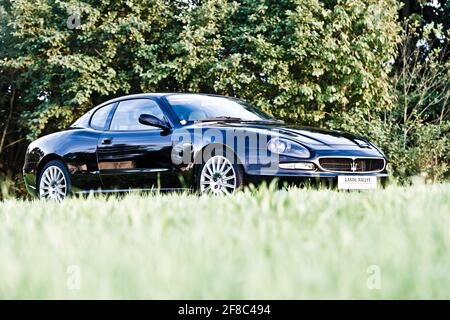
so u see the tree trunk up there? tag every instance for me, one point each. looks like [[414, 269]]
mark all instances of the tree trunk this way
[[5, 130]]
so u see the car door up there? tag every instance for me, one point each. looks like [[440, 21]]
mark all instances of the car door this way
[[133, 155], [81, 159]]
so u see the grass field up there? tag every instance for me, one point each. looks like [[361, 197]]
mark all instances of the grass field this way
[[391, 243]]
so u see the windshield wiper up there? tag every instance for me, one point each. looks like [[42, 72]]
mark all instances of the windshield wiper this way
[[235, 119], [266, 121], [220, 119]]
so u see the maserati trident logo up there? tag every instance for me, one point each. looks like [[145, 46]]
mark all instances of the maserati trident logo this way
[[354, 166]]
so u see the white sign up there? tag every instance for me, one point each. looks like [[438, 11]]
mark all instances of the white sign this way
[[357, 182]]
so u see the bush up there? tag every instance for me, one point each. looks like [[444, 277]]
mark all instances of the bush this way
[[300, 60]]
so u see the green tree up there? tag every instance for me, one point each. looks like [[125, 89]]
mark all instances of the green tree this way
[[301, 60], [71, 70]]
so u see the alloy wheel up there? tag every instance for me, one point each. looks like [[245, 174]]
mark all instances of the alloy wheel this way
[[218, 176], [53, 184]]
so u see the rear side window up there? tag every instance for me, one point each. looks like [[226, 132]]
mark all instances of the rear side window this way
[[98, 120], [126, 116]]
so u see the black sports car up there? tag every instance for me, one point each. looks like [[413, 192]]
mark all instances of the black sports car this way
[[210, 143]]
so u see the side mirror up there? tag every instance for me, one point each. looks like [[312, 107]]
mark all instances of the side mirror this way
[[150, 120]]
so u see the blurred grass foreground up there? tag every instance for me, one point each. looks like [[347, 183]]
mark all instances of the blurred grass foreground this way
[[268, 244]]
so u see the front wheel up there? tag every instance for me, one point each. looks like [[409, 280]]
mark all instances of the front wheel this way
[[54, 181], [219, 176]]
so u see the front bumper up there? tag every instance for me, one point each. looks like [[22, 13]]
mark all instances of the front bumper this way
[[274, 167], [312, 174], [318, 176]]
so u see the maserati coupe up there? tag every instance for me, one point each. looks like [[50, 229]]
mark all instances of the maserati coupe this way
[[209, 143]]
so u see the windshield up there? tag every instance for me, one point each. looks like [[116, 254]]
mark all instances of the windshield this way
[[190, 108]]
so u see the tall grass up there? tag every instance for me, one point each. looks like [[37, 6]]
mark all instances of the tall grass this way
[[256, 244]]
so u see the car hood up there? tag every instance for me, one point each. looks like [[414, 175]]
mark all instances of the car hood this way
[[314, 137]]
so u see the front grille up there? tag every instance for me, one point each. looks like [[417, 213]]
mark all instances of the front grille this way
[[352, 165]]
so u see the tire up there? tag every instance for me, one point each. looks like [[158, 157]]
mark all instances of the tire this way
[[220, 175], [54, 181]]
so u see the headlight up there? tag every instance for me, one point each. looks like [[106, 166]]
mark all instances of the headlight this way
[[276, 146], [287, 147]]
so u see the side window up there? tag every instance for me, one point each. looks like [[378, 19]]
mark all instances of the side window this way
[[98, 120], [126, 116]]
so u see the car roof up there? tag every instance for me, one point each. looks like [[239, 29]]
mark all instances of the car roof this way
[[132, 96], [157, 95]]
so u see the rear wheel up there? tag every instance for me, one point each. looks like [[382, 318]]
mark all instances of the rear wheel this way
[[219, 175], [54, 181]]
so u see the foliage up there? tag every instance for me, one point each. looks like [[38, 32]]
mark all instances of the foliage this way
[[66, 71], [261, 245], [298, 59], [427, 13]]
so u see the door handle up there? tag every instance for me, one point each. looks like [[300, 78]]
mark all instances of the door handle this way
[[106, 140]]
